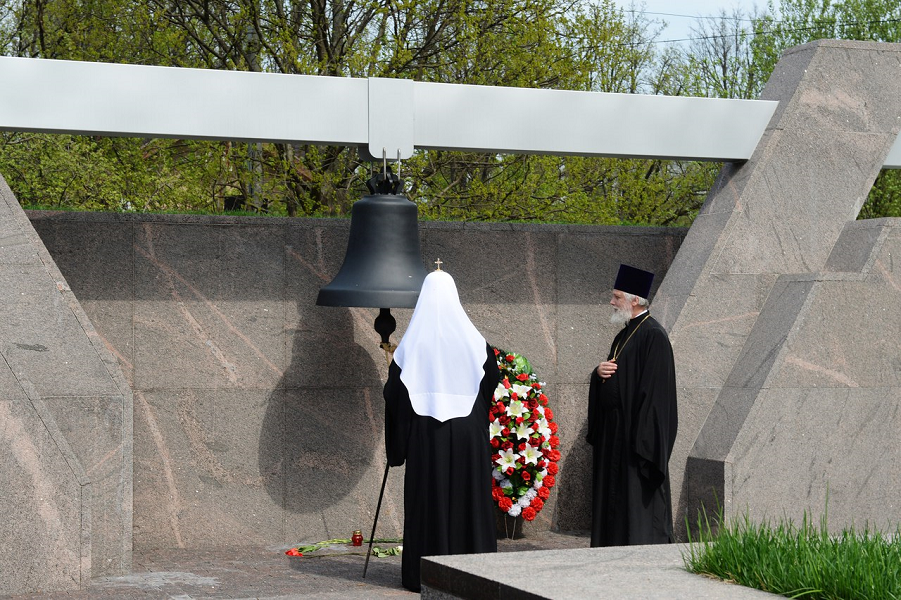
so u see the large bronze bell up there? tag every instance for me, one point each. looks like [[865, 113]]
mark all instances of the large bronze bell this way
[[383, 265]]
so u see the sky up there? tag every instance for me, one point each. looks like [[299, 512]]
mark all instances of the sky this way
[[679, 27]]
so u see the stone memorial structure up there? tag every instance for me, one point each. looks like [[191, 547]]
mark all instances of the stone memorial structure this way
[[783, 309], [168, 381]]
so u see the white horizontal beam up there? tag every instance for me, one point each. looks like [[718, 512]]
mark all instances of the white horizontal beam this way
[[517, 120], [59, 96], [893, 160], [382, 115]]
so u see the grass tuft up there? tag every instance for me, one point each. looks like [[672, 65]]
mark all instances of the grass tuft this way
[[799, 561]]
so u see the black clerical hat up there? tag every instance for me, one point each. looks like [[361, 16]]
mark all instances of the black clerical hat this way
[[633, 281]]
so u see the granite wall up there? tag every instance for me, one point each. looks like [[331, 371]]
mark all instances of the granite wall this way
[[258, 415]]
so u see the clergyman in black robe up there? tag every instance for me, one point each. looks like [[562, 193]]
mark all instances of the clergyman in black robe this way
[[632, 423], [437, 398]]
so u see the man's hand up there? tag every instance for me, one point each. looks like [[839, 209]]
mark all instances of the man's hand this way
[[606, 369]]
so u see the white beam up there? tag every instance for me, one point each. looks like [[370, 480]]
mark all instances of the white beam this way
[[517, 120], [59, 96], [893, 160], [397, 115]]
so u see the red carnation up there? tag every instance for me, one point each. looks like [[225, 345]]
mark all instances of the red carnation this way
[[536, 386], [506, 383], [526, 476], [543, 399], [541, 464], [522, 376], [497, 493], [554, 441], [548, 481], [505, 504], [553, 427], [543, 492], [510, 358], [549, 414], [528, 513], [554, 455], [294, 552], [537, 503], [552, 468]]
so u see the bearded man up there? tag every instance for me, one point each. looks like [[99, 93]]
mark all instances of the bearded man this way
[[632, 421]]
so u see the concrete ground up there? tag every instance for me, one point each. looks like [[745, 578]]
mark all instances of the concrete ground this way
[[266, 573]]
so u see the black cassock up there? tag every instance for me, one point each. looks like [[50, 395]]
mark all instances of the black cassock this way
[[448, 507], [632, 420]]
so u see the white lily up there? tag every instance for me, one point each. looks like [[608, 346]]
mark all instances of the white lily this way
[[507, 459], [531, 455], [494, 429], [516, 409], [521, 390], [501, 392], [543, 429], [523, 431]]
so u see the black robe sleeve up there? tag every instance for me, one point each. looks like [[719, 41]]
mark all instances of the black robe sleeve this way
[[398, 417], [594, 398], [593, 412], [492, 377], [655, 420]]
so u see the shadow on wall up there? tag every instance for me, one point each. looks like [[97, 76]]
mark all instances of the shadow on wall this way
[[574, 483], [328, 411]]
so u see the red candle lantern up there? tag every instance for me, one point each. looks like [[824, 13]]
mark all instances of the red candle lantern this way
[[357, 538]]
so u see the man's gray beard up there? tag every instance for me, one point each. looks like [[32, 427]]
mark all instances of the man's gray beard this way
[[620, 317]]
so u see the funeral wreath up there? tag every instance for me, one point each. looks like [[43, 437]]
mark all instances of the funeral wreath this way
[[523, 435]]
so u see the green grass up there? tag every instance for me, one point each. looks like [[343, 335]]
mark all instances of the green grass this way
[[799, 561]]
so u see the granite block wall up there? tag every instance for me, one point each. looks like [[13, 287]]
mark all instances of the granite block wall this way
[[752, 274], [65, 426], [823, 431], [258, 415]]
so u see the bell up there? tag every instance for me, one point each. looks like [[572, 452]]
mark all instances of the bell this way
[[382, 266]]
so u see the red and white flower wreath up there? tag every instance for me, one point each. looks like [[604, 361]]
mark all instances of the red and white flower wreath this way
[[522, 433]]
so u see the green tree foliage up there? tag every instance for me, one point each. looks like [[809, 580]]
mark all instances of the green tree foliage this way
[[562, 44], [588, 45]]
